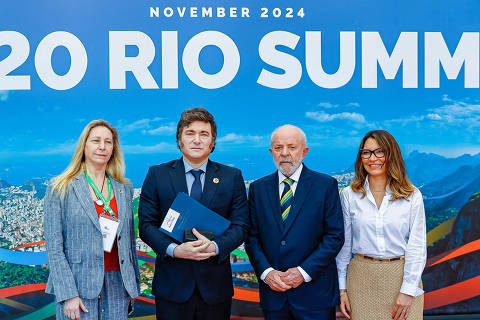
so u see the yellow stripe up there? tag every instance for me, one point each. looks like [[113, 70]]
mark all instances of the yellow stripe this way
[[440, 231], [286, 211], [15, 304], [285, 195]]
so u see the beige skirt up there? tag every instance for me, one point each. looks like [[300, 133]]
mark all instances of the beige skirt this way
[[373, 287]]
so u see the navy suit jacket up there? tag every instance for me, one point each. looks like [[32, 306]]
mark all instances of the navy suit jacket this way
[[310, 238], [175, 279]]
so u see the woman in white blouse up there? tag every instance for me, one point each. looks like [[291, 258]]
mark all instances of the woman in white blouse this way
[[385, 229]]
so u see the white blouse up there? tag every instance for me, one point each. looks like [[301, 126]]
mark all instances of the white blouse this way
[[395, 229]]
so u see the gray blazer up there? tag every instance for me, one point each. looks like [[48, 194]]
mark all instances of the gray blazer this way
[[74, 242]]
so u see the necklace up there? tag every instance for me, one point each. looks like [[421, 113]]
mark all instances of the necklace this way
[[98, 201]]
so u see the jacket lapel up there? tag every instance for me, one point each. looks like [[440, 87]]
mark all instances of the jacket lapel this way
[[301, 193], [210, 186], [80, 186], [177, 177], [121, 200], [274, 198]]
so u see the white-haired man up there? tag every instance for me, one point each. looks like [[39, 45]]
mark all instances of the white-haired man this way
[[296, 233]]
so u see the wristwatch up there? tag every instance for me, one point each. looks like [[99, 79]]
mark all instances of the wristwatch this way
[[343, 291]]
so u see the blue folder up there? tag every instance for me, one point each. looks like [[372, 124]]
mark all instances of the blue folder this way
[[186, 213]]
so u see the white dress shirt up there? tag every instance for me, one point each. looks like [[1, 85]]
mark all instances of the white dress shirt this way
[[295, 176], [395, 229]]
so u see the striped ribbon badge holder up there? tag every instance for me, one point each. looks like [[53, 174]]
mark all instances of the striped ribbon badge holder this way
[[287, 198]]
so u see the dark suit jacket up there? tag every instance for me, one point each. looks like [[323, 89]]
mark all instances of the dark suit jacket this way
[[175, 279], [310, 238]]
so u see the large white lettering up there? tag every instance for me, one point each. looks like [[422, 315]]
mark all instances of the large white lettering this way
[[405, 52], [313, 60], [374, 57], [231, 59], [19, 54], [120, 64], [169, 60], [78, 58], [270, 55], [466, 53]]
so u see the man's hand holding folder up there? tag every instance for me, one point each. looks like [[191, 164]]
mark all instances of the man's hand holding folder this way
[[200, 249], [186, 213]]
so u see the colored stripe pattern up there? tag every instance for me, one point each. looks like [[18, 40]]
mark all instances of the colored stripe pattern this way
[[287, 198]]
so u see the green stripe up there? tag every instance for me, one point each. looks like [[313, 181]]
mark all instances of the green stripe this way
[[285, 213], [288, 181], [286, 196], [240, 253]]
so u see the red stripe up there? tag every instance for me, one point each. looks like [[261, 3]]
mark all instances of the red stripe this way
[[433, 260], [145, 299], [246, 294], [144, 254], [455, 293], [29, 245], [25, 288], [467, 248]]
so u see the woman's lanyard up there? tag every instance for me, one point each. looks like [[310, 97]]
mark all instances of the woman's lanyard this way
[[106, 203]]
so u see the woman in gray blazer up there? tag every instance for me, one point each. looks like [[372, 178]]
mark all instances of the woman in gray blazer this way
[[89, 231]]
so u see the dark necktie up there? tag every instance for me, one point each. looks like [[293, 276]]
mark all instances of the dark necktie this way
[[196, 191], [287, 198]]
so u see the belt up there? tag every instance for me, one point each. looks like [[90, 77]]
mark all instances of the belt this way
[[379, 259]]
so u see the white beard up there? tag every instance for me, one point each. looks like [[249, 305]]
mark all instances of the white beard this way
[[291, 169]]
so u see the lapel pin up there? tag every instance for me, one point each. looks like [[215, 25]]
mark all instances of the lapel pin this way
[[216, 180], [120, 190]]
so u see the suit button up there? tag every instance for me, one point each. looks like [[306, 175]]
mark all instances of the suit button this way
[[121, 261], [119, 237], [283, 242], [99, 297]]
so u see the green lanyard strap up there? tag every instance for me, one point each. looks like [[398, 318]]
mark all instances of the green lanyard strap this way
[[106, 203]]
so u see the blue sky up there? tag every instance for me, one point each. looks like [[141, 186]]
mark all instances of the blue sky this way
[[40, 126]]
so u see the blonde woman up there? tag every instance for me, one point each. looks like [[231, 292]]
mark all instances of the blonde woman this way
[[384, 222], [89, 231]]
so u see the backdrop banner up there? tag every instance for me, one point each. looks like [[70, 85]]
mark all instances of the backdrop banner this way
[[337, 69]]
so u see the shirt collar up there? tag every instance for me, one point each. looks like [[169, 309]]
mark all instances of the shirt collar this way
[[188, 167], [295, 176]]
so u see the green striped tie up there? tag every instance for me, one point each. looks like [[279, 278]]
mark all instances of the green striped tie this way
[[287, 198]]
